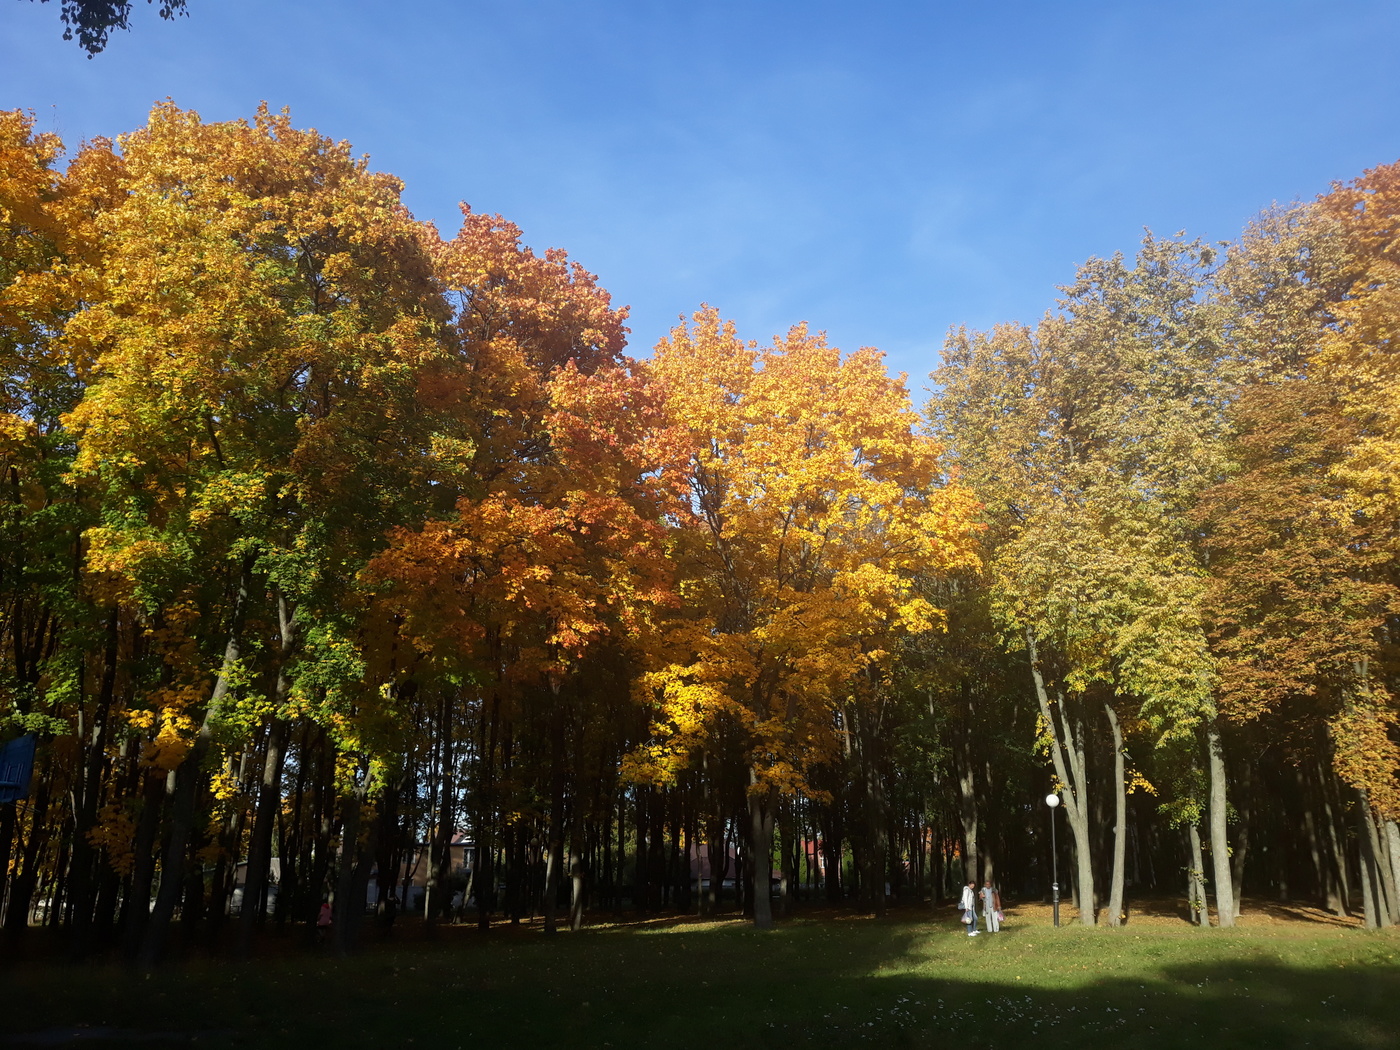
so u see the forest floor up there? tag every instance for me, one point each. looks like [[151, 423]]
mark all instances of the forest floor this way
[[1287, 977]]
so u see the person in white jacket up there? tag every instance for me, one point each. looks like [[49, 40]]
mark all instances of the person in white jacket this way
[[969, 907]]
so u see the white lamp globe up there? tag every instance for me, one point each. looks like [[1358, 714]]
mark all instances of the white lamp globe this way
[[1052, 800]]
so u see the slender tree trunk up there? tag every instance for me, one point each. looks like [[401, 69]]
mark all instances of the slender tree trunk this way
[[440, 859], [719, 864], [137, 907], [876, 846], [25, 879], [490, 735], [7, 838], [88, 797], [187, 780], [1120, 819], [1381, 853], [226, 866], [743, 866], [967, 813], [576, 873], [1332, 818], [1067, 753], [259, 868], [1321, 876], [1390, 835], [343, 905], [788, 878], [1373, 889], [1219, 830], [318, 864], [554, 865], [390, 842], [193, 909], [352, 875], [656, 849], [1195, 878], [762, 806], [1244, 811], [269, 788], [832, 852]]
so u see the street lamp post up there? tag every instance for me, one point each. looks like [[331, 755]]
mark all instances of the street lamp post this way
[[1053, 801]]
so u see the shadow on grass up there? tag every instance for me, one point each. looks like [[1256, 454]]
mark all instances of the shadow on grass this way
[[805, 984]]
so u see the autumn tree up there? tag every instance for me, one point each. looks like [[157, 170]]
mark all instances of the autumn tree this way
[[1357, 360], [39, 597], [810, 499], [1088, 438], [1302, 566], [326, 537], [551, 548], [257, 314]]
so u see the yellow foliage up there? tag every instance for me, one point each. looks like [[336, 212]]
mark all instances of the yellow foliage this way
[[1138, 782], [141, 719], [224, 786], [115, 832], [1365, 753], [172, 742], [807, 500]]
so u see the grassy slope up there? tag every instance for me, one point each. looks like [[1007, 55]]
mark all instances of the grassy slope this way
[[808, 983]]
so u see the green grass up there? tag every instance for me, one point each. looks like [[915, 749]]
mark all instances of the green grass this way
[[810, 982]]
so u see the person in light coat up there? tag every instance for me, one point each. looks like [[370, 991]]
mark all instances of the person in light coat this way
[[991, 906], [968, 904]]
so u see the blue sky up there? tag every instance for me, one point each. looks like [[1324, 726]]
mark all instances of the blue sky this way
[[881, 171]]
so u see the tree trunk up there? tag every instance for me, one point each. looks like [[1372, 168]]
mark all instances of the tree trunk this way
[[440, 852], [967, 814], [187, 780], [1321, 875], [715, 841], [790, 868], [89, 795], [1380, 853], [1341, 895], [1372, 884], [227, 840], [136, 908], [1067, 753], [1120, 819], [1219, 831], [318, 865], [1390, 835], [832, 852], [259, 868], [270, 788], [576, 874], [762, 805], [1244, 812], [24, 878], [484, 874], [877, 832], [7, 838], [352, 877], [554, 864], [1195, 878]]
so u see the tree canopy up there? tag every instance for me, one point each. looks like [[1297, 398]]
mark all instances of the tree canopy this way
[[343, 562]]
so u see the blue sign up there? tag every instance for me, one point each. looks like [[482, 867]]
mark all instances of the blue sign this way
[[16, 768]]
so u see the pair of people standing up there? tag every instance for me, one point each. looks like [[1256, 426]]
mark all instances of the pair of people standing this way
[[991, 906]]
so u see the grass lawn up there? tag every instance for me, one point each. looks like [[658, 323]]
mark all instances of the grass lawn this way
[[821, 981]]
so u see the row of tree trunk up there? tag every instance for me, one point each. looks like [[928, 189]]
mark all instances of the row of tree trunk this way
[[873, 836]]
